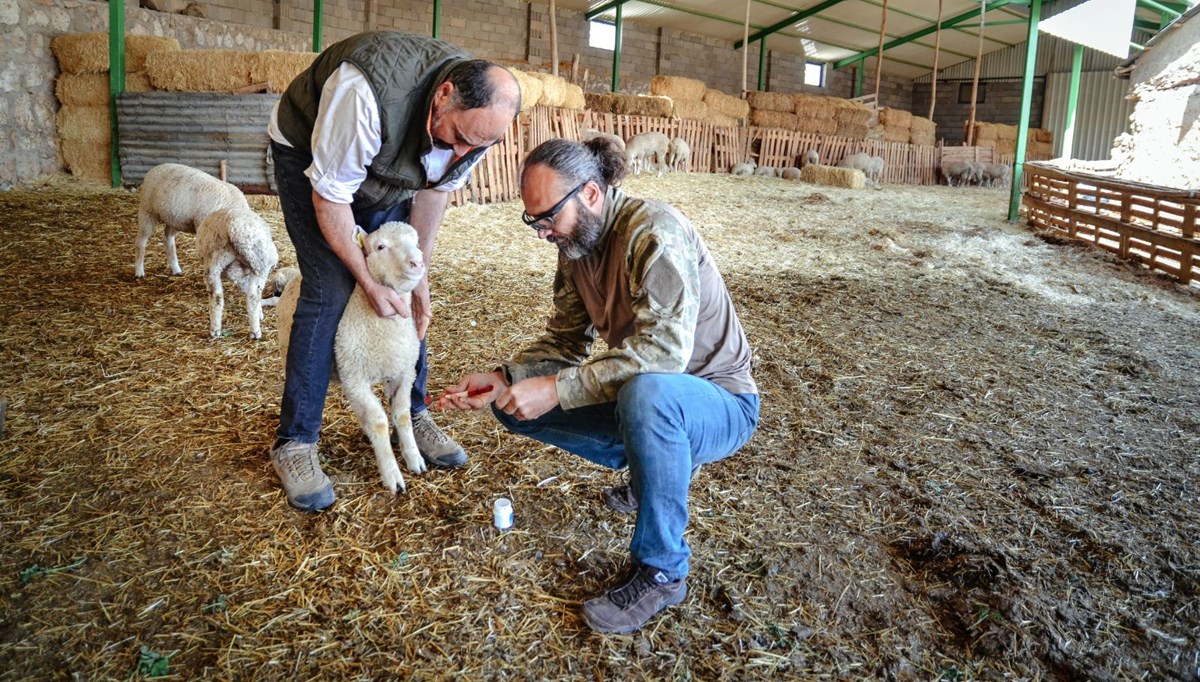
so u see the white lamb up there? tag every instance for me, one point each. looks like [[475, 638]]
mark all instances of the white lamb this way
[[790, 173], [678, 155], [235, 244], [369, 349], [766, 171], [812, 158], [959, 172], [743, 169], [995, 174], [644, 147], [871, 166], [591, 134], [179, 197]]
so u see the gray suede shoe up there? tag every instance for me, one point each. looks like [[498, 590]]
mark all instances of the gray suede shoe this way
[[620, 498], [299, 469], [627, 606], [436, 447]]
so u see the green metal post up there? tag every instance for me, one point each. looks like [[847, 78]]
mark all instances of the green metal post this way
[[762, 64], [437, 18], [858, 77], [317, 12], [1014, 197], [1068, 141], [616, 70], [116, 80]]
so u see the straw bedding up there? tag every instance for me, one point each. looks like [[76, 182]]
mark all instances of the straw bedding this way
[[976, 460]]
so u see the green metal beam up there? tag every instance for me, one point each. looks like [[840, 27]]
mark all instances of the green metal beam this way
[[949, 23], [973, 34], [858, 77], [437, 18], [798, 16], [1006, 22], [693, 12], [875, 32], [616, 69], [116, 82], [317, 20], [762, 63], [1159, 7], [1014, 197], [604, 8], [1068, 139]]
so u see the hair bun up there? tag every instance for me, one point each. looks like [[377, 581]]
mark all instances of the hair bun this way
[[613, 164]]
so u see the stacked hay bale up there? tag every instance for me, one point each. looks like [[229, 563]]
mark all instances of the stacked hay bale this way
[[634, 105], [833, 176], [853, 118], [816, 114], [557, 92], [1041, 144], [1003, 138], [923, 131], [725, 110], [772, 110], [83, 121], [896, 124], [531, 88], [686, 96]]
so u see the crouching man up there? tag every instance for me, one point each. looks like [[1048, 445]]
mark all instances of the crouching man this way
[[673, 392]]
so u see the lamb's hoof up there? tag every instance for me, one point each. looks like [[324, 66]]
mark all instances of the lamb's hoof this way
[[394, 482], [417, 467]]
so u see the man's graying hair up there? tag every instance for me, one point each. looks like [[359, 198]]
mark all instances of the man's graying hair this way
[[474, 87], [599, 160]]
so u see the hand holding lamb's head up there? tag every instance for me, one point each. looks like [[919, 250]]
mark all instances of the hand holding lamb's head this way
[[394, 256]]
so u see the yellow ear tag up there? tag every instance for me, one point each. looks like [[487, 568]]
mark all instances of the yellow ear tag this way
[[360, 236]]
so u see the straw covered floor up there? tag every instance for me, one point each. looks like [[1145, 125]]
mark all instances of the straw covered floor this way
[[976, 460]]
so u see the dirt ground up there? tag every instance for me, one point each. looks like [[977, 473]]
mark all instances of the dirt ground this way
[[977, 460]]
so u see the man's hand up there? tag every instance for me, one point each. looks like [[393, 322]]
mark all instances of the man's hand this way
[[529, 399], [472, 392], [386, 302]]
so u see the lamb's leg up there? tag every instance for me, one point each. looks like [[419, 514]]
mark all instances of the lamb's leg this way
[[374, 424], [254, 307], [400, 400], [146, 229], [169, 240], [216, 297]]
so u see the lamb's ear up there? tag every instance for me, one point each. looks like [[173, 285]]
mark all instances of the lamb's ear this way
[[360, 236]]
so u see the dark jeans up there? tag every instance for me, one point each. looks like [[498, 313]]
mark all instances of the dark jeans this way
[[661, 426], [324, 292]]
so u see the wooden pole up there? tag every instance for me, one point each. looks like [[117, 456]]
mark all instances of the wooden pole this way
[[745, 47], [975, 83], [879, 57], [553, 40], [937, 48]]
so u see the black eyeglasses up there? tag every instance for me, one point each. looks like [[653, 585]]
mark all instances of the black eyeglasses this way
[[545, 221]]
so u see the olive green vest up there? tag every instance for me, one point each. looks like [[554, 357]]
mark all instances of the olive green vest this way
[[403, 70]]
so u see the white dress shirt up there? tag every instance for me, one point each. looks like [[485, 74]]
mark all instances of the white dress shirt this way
[[347, 136]]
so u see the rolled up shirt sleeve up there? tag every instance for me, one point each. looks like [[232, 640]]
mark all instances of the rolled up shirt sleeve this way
[[346, 135]]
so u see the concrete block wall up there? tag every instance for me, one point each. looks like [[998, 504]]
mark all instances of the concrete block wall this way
[[1001, 104]]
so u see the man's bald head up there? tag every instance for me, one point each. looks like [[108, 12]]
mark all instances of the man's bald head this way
[[479, 83]]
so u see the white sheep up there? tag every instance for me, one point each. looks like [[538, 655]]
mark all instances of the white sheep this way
[[369, 349], [871, 166], [591, 134], [766, 171], [995, 173], [279, 281], [811, 158], [235, 244], [179, 197], [959, 172], [790, 173], [876, 174], [679, 154], [643, 147], [746, 168]]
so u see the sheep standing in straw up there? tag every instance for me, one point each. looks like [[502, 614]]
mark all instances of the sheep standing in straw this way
[[743, 169], [369, 349], [235, 244], [179, 197], [643, 147], [678, 155], [871, 166]]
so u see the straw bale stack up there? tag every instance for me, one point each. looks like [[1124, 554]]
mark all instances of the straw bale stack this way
[[1042, 135], [599, 101], [277, 68], [716, 118], [923, 131], [80, 53], [84, 136], [554, 89], [854, 131], [771, 101], [816, 126], [814, 106], [726, 105], [87, 160], [575, 99], [531, 89], [689, 110], [641, 105], [767, 118], [852, 112], [199, 70], [895, 118], [678, 88], [91, 89], [833, 176]]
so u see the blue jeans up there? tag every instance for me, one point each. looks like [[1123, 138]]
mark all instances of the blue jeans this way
[[324, 291], [660, 426]]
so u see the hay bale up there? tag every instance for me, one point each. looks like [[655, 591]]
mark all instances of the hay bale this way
[[641, 105], [199, 70], [986, 132], [923, 125], [728, 105], [84, 124], [554, 89], [91, 89], [80, 53], [851, 178], [531, 89], [137, 81], [575, 100], [678, 88], [716, 118], [689, 110], [766, 118], [87, 159], [895, 118], [1042, 135], [1007, 133], [895, 134], [278, 68], [816, 126], [599, 101], [813, 106], [137, 47], [852, 112], [854, 131], [771, 101]]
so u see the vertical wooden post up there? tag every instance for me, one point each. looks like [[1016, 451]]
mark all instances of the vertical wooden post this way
[[745, 46], [937, 49], [879, 55], [553, 40], [975, 82]]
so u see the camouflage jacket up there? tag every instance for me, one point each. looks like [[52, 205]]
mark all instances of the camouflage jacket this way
[[651, 290]]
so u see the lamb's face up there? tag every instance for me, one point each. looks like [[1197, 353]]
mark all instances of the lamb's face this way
[[394, 257]]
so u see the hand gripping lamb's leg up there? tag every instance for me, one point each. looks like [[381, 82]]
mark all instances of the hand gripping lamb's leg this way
[[400, 400], [375, 425]]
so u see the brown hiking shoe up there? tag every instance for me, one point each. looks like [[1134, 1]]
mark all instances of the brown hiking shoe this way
[[436, 447], [641, 593], [299, 469], [620, 498]]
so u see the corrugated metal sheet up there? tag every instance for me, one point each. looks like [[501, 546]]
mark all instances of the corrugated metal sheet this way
[[1054, 54], [198, 129], [1101, 114]]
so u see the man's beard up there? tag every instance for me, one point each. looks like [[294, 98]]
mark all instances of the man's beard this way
[[583, 239]]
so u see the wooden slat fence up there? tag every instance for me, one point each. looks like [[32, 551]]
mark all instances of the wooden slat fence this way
[[1155, 226]]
